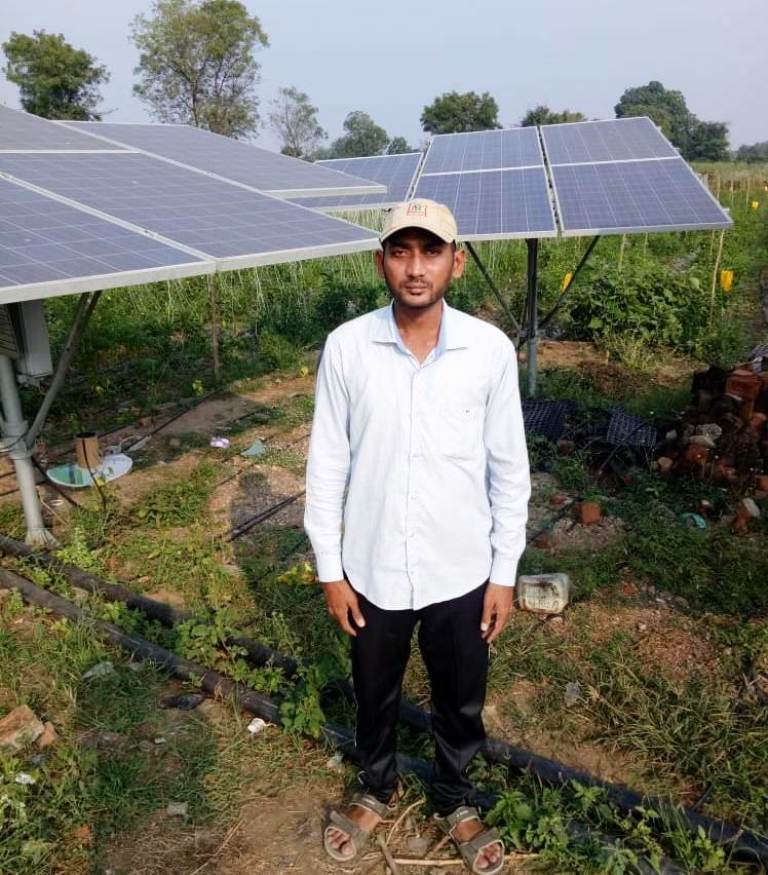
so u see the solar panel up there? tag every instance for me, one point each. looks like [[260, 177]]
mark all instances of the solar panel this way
[[614, 140], [653, 195], [238, 227], [23, 132], [483, 150], [494, 204], [49, 248], [232, 159], [396, 172]]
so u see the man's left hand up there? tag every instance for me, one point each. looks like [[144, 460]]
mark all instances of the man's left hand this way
[[498, 604]]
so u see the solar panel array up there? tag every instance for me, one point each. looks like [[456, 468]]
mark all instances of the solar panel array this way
[[43, 241], [231, 159], [624, 176], [78, 213], [395, 172], [494, 182]]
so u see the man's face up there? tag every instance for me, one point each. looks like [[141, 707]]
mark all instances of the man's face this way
[[418, 267]]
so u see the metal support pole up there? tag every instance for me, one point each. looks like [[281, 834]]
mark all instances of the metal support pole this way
[[502, 303], [533, 314], [545, 321], [14, 443], [84, 309]]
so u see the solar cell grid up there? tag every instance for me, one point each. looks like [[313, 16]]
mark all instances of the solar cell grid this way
[[232, 159], [396, 172], [483, 150], [43, 241], [21, 131], [633, 196], [494, 204], [212, 217], [613, 140]]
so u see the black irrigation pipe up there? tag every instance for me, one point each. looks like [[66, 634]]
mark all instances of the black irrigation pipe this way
[[252, 522], [221, 687], [744, 843]]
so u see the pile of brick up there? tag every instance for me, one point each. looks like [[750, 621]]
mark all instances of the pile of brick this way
[[723, 435]]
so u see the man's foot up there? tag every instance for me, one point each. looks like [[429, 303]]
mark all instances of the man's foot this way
[[481, 848], [348, 830]]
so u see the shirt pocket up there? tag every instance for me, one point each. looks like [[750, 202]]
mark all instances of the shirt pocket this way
[[460, 430]]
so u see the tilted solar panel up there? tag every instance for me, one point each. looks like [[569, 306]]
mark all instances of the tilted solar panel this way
[[51, 248], [237, 227], [483, 150], [24, 132], [231, 159], [656, 195], [494, 204], [396, 172], [612, 140]]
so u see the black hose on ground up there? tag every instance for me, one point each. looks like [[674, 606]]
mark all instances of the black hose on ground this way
[[261, 706], [549, 771]]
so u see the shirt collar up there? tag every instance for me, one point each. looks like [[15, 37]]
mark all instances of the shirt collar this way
[[452, 334]]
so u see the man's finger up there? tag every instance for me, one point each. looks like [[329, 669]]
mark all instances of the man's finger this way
[[488, 610], [357, 615], [342, 619], [499, 623]]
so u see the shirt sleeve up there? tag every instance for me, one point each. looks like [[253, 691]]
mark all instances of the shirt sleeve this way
[[508, 473], [328, 465]]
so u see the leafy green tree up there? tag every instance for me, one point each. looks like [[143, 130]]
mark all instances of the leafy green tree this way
[[694, 138], [452, 112], [294, 118], [543, 115], [56, 80], [755, 152], [197, 65], [398, 146], [708, 142], [362, 137]]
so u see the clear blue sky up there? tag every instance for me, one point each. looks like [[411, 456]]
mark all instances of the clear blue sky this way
[[390, 59]]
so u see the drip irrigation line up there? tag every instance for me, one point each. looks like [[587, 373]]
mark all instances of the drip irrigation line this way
[[743, 842], [252, 522], [255, 703]]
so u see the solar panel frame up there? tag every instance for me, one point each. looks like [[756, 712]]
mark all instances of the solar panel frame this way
[[24, 132], [38, 232], [119, 188], [238, 168], [344, 203]]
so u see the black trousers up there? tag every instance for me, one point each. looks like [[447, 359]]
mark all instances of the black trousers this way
[[456, 658]]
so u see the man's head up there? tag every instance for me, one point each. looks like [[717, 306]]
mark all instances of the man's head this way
[[419, 257]]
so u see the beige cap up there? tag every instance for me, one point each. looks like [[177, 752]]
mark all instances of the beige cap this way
[[421, 213]]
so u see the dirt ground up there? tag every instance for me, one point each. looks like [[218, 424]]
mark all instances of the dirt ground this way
[[278, 830]]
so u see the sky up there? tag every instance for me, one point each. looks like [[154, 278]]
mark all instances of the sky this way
[[392, 59]]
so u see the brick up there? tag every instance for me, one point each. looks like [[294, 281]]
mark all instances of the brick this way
[[743, 384], [696, 455], [589, 513], [19, 728]]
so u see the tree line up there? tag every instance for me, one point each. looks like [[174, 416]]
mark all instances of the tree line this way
[[198, 65]]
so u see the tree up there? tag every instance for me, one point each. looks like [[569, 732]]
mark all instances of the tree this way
[[543, 115], [452, 112], [399, 146], [56, 80], [708, 142], [295, 120], [363, 137], [197, 65], [755, 152]]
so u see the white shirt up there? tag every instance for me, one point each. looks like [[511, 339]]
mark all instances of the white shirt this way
[[432, 458]]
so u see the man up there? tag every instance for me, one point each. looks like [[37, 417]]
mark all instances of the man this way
[[418, 421]]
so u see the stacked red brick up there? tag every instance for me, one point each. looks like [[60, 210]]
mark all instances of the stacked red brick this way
[[723, 435]]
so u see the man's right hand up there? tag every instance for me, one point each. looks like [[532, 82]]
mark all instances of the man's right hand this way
[[341, 601]]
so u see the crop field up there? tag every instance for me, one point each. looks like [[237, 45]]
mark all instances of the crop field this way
[[652, 678]]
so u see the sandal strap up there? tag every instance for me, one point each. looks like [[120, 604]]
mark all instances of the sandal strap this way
[[370, 803], [480, 842], [348, 826], [461, 814]]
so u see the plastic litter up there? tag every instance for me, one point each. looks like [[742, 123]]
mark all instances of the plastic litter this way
[[24, 778], [572, 693], [694, 520], [219, 443], [73, 476], [256, 449], [177, 809], [543, 593], [100, 670], [257, 725]]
